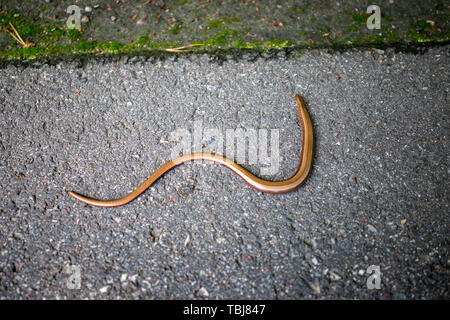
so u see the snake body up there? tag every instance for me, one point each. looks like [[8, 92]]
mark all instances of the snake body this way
[[284, 186]]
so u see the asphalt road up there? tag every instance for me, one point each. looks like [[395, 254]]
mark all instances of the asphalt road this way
[[377, 196]]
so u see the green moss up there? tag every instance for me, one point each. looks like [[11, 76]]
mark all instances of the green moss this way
[[111, 47], [57, 33], [28, 31], [353, 28], [417, 37], [50, 34], [422, 25], [175, 30], [163, 45], [360, 18], [390, 36], [11, 16], [423, 38], [299, 9], [34, 52], [246, 45], [27, 28], [225, 33], [386, 36], [424, 32], [86, 46], [73, 35], [222, 38], [215, 23], [142, 40], [324, 30], [278, 44]]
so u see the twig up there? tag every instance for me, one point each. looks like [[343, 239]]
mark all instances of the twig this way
[[18, 38], [183, 48]]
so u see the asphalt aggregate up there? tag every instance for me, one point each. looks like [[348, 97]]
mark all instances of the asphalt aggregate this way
[[377, 197]]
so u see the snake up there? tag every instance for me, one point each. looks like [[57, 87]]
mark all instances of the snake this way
[[275, 187]]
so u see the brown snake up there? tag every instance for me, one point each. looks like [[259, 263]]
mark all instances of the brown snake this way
[[288, 185]]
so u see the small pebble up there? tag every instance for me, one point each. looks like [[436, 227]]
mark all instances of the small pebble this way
[[203, 292], [18, 236], [133, 278], [315, 288], [187, 240], [104, 289], [371, 228], [312, 243], [143, 20], [334, 276], [88, 9], [155, 233]]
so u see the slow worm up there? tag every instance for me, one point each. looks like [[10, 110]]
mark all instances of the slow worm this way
[[288, 185]]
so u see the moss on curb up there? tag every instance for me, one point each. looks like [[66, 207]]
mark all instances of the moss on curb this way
[[222, 34], [93, 48]]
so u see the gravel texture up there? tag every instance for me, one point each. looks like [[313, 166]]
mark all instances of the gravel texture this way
[[377, 195]]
